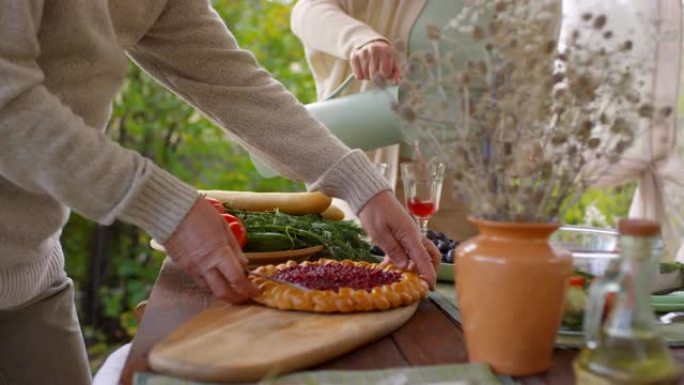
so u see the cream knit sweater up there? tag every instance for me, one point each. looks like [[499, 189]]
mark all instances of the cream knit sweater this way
[[62, 62], [332, 29]]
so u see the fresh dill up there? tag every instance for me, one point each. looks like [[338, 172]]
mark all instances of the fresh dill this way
[[342, 239]]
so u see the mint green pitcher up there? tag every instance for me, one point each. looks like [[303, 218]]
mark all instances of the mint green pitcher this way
[[363, 120]]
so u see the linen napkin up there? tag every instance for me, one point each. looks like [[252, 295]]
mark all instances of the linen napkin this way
[[456, 374]]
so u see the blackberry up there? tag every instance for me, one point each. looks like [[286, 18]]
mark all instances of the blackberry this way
[[443, 246], [430, 234], [449, 258], [376, 250], [441, 236]]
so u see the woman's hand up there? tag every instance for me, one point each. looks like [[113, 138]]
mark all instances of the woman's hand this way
[[391, 228], [205, 248], [375, 58]]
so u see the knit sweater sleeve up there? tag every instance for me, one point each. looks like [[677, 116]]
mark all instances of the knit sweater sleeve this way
[[324, 25], [190, 50], [46, 149]]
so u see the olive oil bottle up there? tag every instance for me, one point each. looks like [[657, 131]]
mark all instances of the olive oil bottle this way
[[627, 348]]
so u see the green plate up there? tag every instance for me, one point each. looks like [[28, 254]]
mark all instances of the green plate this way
[[570, 332], [445, 273], [661, 304], [669, 302]]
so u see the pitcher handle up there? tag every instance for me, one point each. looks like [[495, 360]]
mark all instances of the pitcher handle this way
[[596, 305], [337, 91]]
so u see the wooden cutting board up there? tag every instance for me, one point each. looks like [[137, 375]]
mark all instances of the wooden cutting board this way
[[249, 342]]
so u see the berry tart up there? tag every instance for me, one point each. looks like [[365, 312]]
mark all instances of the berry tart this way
[[337, 286]]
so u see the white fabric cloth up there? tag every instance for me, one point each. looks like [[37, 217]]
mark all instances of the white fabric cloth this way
[[110, 371], [656, 160]]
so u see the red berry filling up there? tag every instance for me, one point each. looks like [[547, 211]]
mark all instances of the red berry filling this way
[[334, 277]]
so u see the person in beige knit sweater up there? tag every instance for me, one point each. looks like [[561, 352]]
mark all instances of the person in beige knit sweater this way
[[61, 63]]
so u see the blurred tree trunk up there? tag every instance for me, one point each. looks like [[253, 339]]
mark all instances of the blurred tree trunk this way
[[101, 252]]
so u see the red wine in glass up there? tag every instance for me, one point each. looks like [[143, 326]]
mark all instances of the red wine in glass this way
[[422, 190], [421, 209]]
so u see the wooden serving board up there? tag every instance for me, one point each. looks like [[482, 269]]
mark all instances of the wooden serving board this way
[[249, 342]]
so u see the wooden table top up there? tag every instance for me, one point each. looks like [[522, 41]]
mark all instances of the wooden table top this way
[[430, 337]]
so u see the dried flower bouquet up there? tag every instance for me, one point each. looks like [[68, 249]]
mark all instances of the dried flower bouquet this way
[[526, 126]]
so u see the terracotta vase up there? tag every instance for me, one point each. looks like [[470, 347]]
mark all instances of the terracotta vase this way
[[510, 284]]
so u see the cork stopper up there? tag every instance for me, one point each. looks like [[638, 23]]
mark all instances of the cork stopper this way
[[639, 227]]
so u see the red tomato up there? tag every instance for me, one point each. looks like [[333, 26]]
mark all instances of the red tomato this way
[[230, 218], [240, 233], [608, 305], [236, 228], [216, 203], [577, 281]]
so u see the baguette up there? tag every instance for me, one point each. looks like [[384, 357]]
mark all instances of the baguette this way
[[298, 203], [333, 213]]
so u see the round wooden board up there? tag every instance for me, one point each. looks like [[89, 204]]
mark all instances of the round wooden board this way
[[247, 343], [269, 258]]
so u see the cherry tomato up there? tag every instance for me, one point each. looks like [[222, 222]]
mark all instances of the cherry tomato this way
[[236, 228], [216, 203], [240, 233], [577, 281], [230, 218], [608, 305]]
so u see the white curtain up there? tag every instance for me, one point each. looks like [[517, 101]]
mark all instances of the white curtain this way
[[656, 160]]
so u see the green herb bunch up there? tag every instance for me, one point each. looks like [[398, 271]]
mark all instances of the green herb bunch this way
[[342, 239]]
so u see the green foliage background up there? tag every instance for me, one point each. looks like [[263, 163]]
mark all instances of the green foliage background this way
[[113, 266]]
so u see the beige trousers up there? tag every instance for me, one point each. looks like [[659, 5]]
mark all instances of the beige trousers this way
[[41, 342]]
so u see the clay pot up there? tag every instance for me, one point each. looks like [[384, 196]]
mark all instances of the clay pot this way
[[510, 284]]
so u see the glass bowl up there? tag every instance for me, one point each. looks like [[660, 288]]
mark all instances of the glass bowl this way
[[593, 249]]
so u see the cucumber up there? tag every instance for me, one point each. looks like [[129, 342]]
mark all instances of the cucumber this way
[[263, 242]]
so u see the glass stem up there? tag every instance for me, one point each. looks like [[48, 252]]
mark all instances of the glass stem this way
[[422, 223]]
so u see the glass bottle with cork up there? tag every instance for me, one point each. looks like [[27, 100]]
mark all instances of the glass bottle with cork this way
[[627, 348]]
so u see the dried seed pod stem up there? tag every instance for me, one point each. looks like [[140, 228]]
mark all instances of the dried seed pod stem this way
[[524, 127]]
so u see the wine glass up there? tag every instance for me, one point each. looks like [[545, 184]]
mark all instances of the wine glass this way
[[383, 169], [422, 189]]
